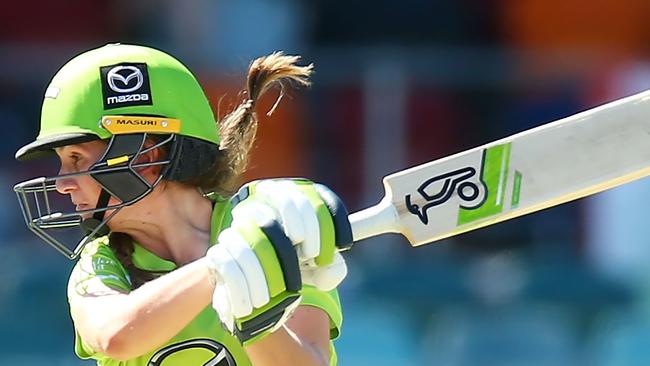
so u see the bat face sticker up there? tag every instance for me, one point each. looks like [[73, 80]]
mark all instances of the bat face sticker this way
[[464, 182]]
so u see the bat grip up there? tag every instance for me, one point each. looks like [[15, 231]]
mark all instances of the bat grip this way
[[379, 219]]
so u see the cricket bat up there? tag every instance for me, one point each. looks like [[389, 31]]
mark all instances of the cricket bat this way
[[546, 166]]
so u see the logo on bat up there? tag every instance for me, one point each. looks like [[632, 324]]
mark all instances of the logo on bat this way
[[464, 182]]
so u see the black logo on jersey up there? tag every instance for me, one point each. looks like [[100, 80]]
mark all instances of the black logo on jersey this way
[[469, 187], [125, 84], [221, 355]]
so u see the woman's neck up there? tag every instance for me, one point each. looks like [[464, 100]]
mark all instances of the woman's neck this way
[[172, 222]]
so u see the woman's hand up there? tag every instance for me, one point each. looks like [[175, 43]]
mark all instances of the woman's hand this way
[[284, 233], [257, 278], [312, 216]]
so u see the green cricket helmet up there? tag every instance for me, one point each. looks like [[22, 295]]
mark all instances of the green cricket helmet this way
[[122, 94]]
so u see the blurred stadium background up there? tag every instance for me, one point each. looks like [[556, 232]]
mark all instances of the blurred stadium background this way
[[397, 84]]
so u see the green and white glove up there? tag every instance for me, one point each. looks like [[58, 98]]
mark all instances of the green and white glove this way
[[257, 277], [284, 233], [312, 216]]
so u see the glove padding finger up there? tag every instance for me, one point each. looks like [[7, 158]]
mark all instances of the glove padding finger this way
[[255, 210], [231, 281], [221, 304], [288, 213], [309, 247], [237, 246]]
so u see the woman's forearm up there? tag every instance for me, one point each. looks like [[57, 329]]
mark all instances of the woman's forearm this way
[[128, 325], [303, 340], [282, 347]]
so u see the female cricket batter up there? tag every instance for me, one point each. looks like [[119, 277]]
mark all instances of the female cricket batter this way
[[174, 268]]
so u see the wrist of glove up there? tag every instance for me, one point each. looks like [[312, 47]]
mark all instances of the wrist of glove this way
[[257, 278]]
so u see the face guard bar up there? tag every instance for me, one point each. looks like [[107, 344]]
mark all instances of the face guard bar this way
[[117, 174]]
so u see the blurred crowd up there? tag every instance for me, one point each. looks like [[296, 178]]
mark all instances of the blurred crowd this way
[[396, 84]]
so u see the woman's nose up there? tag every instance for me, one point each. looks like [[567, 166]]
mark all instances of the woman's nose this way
[[66, 185]]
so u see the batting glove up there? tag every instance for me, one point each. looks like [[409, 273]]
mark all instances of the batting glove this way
[[257, 277], [313, 218]]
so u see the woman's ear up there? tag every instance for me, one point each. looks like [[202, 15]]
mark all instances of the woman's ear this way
[[150, 173]]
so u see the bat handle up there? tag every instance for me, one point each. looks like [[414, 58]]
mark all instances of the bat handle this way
[[378, 219]]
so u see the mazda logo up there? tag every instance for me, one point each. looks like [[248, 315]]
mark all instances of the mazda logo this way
[[120, 77]]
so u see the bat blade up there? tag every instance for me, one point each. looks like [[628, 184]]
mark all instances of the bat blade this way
[[561, 161]]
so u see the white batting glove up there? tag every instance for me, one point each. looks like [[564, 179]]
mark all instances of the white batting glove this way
[[257, 277], [314, 219]]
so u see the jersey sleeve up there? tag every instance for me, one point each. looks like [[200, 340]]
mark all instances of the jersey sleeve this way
[[328, 302], [98, 272]]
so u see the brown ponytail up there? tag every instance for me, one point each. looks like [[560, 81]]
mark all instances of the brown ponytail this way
[[238, 128]]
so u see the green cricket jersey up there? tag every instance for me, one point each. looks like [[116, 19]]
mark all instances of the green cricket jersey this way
[[203, 341]]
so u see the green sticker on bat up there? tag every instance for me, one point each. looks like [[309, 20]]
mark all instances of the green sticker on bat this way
[[493, 176]]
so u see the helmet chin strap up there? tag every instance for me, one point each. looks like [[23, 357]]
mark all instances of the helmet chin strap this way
[[90, 224]]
